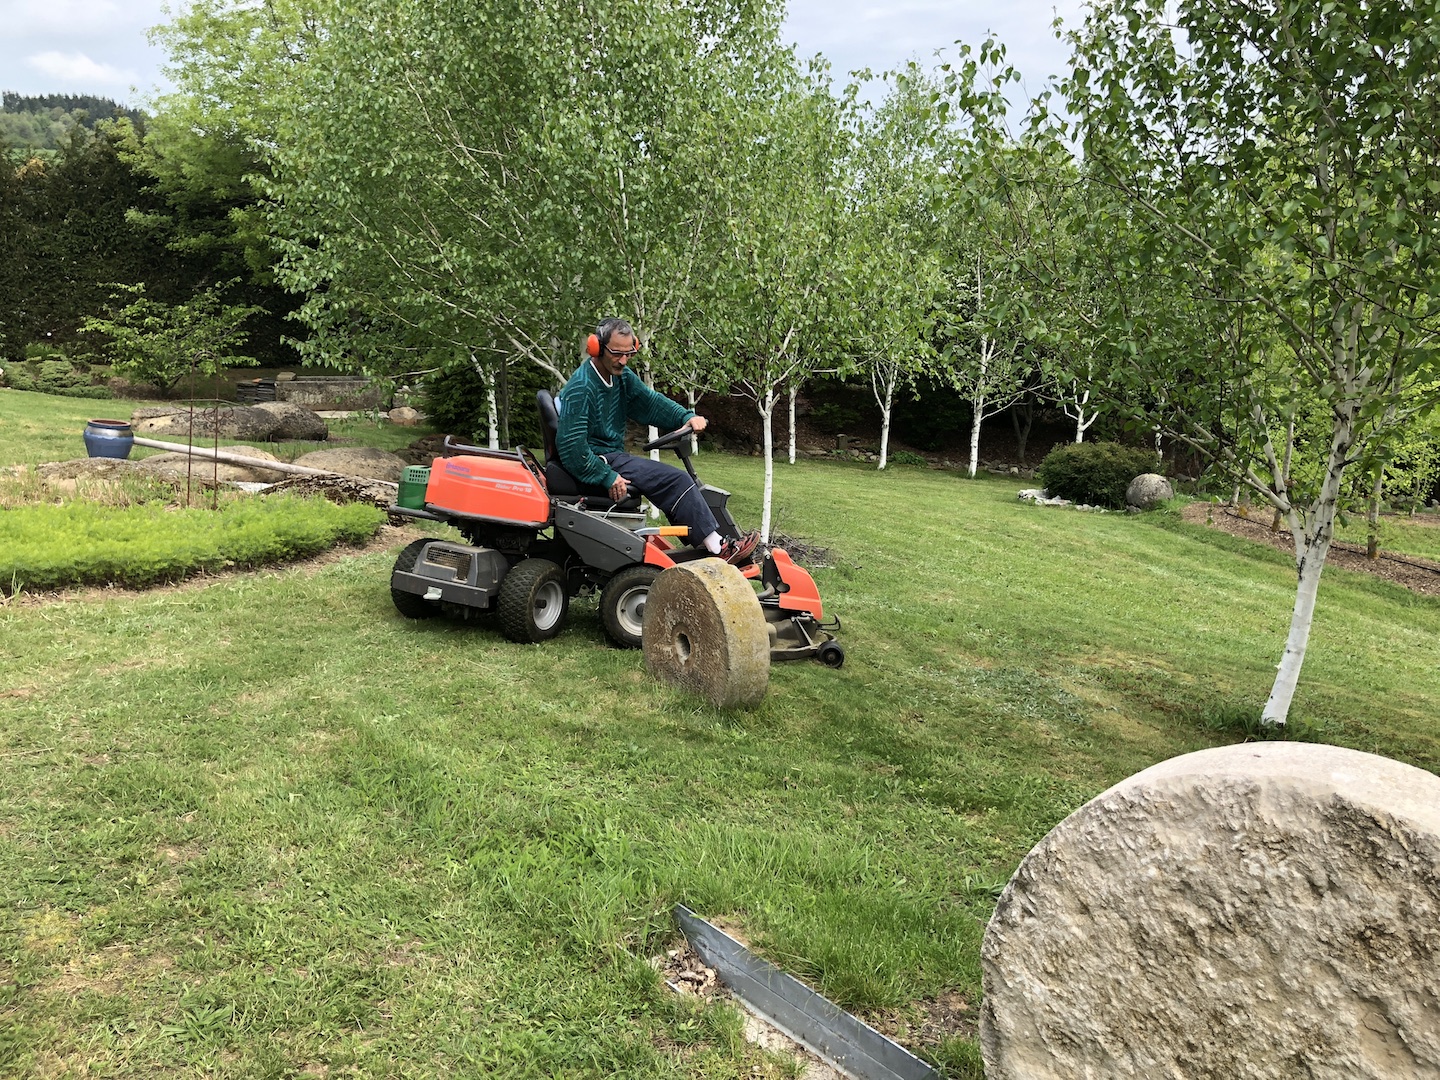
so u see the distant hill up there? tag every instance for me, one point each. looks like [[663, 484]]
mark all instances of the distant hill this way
[[42, 121]]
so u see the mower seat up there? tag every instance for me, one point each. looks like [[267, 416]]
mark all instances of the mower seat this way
[[564, 487]]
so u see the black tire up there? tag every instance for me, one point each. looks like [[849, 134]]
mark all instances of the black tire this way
[[831, 654], [622, 604], [533, 603], [407, 603]]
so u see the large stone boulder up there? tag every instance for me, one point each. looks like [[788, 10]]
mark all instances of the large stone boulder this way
[[228, 421], [1257, 911], [424, 451], [295, 421], [356, 461], [173, 467], [1147, 491]]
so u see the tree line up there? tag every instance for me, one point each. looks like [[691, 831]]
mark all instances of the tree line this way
[[43, 122], [1224, 241]]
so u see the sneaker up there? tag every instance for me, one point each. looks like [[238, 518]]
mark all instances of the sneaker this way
[[739, 552]]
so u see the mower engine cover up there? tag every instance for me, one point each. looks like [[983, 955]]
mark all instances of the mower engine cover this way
[[497, 488]]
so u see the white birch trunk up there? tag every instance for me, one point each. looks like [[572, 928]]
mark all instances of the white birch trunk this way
[[652, 432], [493, 410], [1081, 424], [1312, 544], [977, 397], [1310, 552], [793, 390], [885, 410], [767, 416], [691, 398], [977, 404]]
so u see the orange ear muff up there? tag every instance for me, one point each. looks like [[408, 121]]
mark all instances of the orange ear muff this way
[[592, 345]]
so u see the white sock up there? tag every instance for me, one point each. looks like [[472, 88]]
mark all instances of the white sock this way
[[712, 543]]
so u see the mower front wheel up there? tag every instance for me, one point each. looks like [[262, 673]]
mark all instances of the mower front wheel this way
[[533, 603], [622, 604], [409, 604]]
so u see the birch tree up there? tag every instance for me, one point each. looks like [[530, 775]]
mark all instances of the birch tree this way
[[493, 183], [1282, 160], [767, 309], [894, 235], [987, 220], [982, 358]]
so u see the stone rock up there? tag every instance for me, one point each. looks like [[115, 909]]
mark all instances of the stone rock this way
[[284, 376], [1148, 490], [228, 421], [172, 466], [704, 632], [1257, 911], [332, 392], [295, 421], [1040, 497], [405, 416], [356, 461], [424, 450]]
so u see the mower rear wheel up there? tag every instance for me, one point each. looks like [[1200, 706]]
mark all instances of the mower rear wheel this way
[[622, 604], [533, 603], [407, 603]]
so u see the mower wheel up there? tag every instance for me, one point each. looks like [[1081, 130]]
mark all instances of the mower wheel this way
[[409, 604], [831, 654], [622, 604], [533, 602]]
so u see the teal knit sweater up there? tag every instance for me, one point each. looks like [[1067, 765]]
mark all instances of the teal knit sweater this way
[[593, 416]]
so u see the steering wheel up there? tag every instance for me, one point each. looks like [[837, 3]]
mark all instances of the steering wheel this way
[[674, 438]]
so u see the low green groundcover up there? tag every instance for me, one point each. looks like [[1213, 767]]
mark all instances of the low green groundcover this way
[[78, 543]]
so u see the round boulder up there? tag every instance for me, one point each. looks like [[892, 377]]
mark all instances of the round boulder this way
[[227, 421], [1256, 911], [356, 461], [295, 421], [704, 631], [1148, 490], [405, 416]]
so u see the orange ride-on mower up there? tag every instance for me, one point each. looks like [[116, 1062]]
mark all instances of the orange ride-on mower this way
[[535, 538]]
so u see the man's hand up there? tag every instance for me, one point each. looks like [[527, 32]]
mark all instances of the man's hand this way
[[618, 489], [698, 424]]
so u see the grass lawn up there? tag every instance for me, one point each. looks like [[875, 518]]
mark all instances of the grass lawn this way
[[262, 826], [42, 427]]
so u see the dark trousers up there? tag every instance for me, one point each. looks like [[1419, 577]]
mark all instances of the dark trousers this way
[[669, 488]]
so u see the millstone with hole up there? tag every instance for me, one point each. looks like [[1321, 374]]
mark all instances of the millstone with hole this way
[[1270, 910], [705, 632]]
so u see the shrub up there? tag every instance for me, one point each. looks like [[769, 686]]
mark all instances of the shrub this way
[[454, 398], [50, 546], [907, 457], [1096, 473], [47, 370], [158, 343]]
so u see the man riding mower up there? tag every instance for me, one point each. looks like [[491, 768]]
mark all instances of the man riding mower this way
[[535, 537]]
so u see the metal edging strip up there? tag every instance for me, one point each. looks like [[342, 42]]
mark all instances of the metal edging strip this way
[[819, 1025]]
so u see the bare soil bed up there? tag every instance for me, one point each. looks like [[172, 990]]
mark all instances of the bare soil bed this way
[[1409, 571]]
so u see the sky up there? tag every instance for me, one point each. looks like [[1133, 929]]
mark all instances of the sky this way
[[100, 47]]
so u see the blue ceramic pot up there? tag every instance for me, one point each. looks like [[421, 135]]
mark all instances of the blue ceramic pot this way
[[108, 438]]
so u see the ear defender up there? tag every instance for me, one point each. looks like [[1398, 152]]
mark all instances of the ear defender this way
[[592, 345]]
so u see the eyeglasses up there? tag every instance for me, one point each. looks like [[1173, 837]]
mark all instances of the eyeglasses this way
[[619, 355]]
